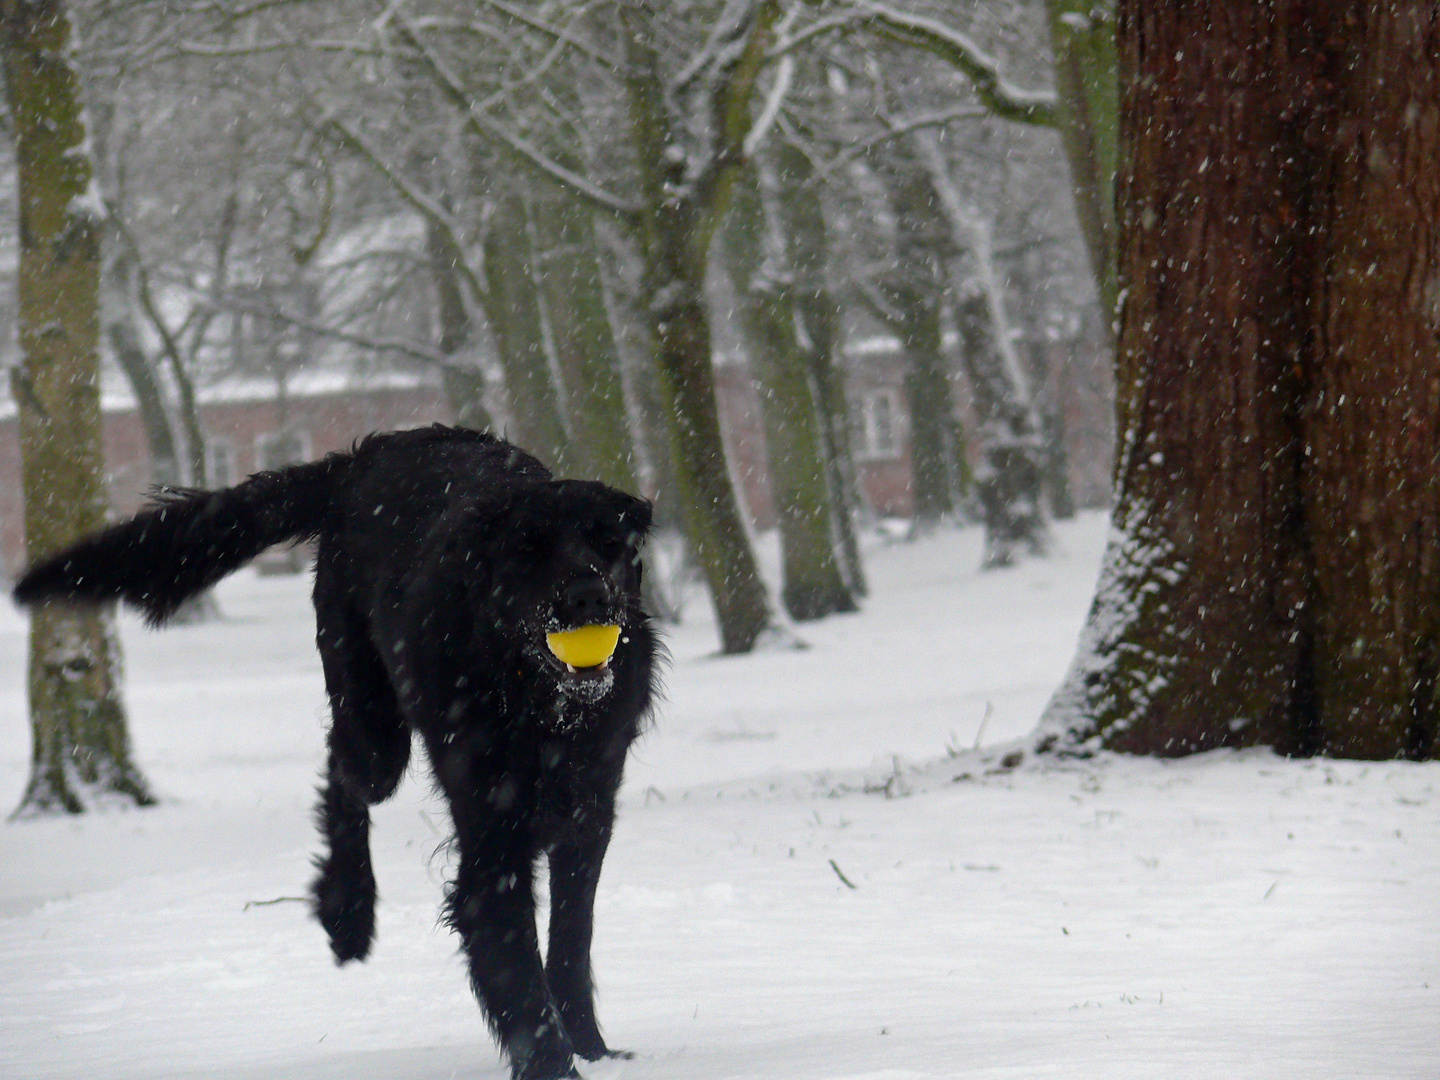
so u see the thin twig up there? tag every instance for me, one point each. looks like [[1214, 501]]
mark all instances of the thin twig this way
[[841, 875], [278, 900]]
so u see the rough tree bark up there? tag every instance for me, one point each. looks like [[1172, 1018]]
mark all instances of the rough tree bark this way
[[464, 383], [80, 741], [685, 189], [801, 211], [917, 292], [585, 351], [512, 309], [755, 256], [1274, 572]]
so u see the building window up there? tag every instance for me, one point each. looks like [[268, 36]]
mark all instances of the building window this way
[[277, 449], [219, 463], [880, 424]]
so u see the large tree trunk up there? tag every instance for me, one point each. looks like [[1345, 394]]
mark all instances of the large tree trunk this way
[[464, 383], [512, 309], [81, 746], [1372, 476], [680, 213], [585, 350], [802, 215], [917, 291], [1273, 574], [811, 583], [1082, 38], [1010, 477]]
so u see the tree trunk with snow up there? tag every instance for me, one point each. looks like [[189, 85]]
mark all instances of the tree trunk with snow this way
[[122, 330], [1011, 473], [1274, 572], [1082, 39], [811, 583], [801, 212], [1010, 479], [80, 741], [585, 351], [916, 292], [685, 183], [464, 384], [512, 309]]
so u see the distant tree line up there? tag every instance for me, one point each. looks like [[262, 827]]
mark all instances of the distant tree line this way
[[558, 208]]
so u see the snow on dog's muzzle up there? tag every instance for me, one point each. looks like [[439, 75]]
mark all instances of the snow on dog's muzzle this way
[[585, 646]]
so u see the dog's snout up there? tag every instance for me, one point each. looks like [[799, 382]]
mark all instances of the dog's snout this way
[[585, 602]]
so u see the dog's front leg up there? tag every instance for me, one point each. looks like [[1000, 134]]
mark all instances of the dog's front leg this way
[[574, 873], [492, 907]]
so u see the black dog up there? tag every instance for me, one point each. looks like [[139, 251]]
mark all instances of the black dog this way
[[444, 559]]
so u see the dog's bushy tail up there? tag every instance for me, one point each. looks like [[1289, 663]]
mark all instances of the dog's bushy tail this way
[[187, 541]]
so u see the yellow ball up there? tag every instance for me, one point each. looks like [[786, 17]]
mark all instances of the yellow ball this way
[[589, 646]]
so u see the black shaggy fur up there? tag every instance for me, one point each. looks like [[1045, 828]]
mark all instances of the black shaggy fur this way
[[444, 556]]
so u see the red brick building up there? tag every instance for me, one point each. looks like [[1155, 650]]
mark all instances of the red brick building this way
[[248, 429]]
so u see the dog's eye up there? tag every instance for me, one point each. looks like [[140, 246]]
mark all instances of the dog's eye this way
[[606, 544]]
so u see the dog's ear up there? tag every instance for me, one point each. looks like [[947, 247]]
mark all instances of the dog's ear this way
[[636, 515]]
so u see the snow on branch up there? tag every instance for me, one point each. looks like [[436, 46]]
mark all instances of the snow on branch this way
[[413, 349], [428, 208], [728, 39], [784, 77], [559, 34], [734, 71], [896, 129], [494, 132], [1004, 101]]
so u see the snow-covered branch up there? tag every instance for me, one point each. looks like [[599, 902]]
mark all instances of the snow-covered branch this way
[[1037, 108], [983, 71], [496, 133], [900, 128], [413, 349]]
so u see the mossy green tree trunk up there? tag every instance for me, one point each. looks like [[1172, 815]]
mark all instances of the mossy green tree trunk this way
[[511, 302], [756, 257], [602, 446], [1274, 573], [1082, 39], [917, 290], [684, 193], [801, 213], [464, 383], [80, 742]]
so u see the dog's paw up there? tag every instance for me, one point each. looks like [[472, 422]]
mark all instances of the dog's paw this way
[[604, 1053], [537, 1070], [348, 915]]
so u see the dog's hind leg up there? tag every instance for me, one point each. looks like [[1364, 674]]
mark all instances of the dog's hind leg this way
[[369, 747]]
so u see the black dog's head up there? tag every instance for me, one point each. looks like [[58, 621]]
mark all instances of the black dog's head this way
[[566, 556]]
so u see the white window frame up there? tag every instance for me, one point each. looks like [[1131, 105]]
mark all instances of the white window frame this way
[[879, 439], [217, 450]]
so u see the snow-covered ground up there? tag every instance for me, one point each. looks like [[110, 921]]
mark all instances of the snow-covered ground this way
[[1227, 916]]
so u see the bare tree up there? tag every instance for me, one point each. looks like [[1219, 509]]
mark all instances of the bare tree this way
[[81, 750], [758, 259]]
